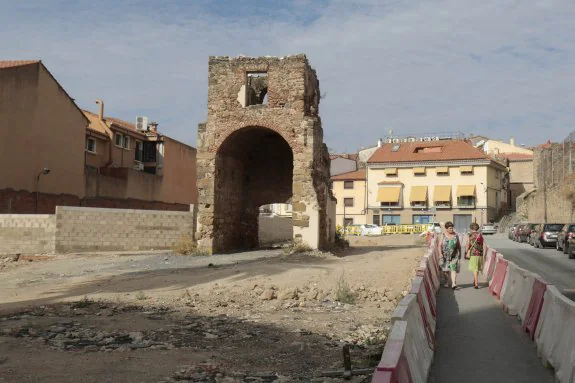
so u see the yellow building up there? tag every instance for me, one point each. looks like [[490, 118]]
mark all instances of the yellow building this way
[[349, 190], [434, 181]]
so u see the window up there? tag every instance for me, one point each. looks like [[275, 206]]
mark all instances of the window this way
[[139, 151], [126, 142], [118, 139], [391, 219], [348, 221], [389, 204], [429, 149], [466, 201], [376, 220], [422, 219], [348, 202], [90, 145], [256, 88], [348, 184]]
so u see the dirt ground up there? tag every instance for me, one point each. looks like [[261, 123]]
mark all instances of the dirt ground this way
[[263, 316]]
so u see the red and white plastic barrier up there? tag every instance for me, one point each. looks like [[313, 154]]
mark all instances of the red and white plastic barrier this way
[[499, 274], [408, 352], [535, 305], [490, 260], [516, 292], [418, 349], [393, 366], [555, 335]]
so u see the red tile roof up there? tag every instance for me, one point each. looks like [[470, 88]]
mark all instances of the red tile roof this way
[[517, 156], [446, 150], [356, 175], [12, 64]]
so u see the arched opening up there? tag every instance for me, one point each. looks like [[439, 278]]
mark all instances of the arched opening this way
[[254, 167]]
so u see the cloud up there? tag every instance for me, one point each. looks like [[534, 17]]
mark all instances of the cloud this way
[[496, 67]]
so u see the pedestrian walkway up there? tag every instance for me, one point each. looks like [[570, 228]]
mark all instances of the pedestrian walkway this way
[[476, 341]]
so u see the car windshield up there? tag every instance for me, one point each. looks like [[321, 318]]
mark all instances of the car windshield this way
[[571, 228], [553, 227]]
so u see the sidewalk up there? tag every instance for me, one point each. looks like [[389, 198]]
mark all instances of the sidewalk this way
[[476, 341]]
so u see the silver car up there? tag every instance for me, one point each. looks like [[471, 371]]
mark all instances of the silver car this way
[[488, 228]]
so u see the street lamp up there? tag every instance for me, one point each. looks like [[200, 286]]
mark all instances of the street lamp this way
[[44, 171]]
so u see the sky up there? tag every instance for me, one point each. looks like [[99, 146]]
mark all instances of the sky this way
[[500, 68]]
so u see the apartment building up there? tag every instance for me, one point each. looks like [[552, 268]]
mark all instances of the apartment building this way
[[418, 181], [57, 154], [350, 191]]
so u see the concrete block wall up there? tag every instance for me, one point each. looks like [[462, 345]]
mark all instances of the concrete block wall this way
[[274, 229], [27, 234], [81, 229]]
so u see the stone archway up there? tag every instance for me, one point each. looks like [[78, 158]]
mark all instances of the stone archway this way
[[254, 167], [252, 152]]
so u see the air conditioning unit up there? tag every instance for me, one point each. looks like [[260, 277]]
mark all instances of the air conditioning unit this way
[[395, 140], [139, 166], [142, 123], [388, 140], [435, 138]]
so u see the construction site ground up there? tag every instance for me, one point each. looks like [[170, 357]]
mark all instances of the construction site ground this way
[[261, 316]]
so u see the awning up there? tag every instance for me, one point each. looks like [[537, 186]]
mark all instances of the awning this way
[[442, 169], [389, 194], [466, 190], [442, 193], [466, 169], [391, 171], [418, 194], [418, 170]]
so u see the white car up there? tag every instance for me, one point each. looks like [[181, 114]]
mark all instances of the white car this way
[[368, 229], [488, 228]]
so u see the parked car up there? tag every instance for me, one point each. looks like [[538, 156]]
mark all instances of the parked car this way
[[511, 233], [571, 247], [488, 228], [518, 230], [526, 233], [546, 234], [568, 231]]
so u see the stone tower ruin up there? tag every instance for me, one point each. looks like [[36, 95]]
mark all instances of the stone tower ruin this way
[[262, 143]]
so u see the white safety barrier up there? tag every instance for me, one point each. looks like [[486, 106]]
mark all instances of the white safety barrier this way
[[555, 334], [418, 350], [516, 292]]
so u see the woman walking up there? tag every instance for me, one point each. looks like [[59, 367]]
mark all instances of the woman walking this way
[[450, 255], [474, 253]]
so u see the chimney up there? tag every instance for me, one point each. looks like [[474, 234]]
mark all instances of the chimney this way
[[512, 141], [379, 143], [100, 109], [154, 127]]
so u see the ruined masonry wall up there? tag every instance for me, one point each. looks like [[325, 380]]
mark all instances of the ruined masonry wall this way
[[291, 112], [27, 234], [274, 229]]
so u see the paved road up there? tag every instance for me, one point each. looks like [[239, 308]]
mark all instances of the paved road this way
[[554, 266], [477, 342]]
